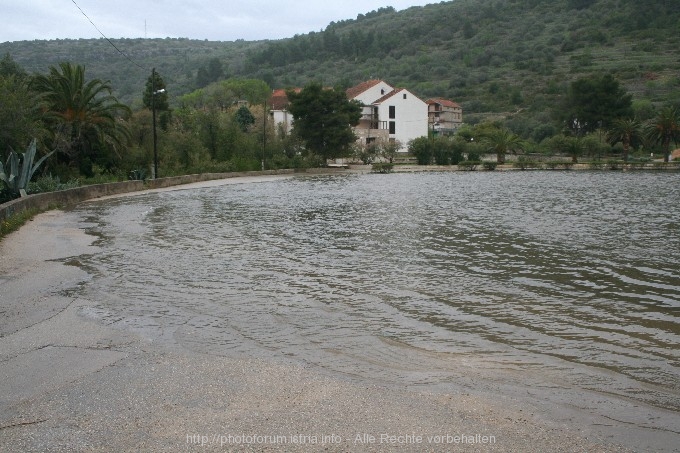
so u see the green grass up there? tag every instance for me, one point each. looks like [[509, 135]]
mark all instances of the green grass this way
[[16, 221]]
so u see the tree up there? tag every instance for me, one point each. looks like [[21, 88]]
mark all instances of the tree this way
[[324, 119], [156, 97], [595, 102], [84, 116], [19, 107], [501, 142], [9, 67], [664, 129], [19, 114], [626, 131], [210, 73], [421, 148], [155, 82], [572, 146], [389, 149], [244, 118]]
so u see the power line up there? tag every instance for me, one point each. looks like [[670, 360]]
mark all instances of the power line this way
[[110, 42]]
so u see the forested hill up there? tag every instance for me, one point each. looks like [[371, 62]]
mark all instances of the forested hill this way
[[495, 57]]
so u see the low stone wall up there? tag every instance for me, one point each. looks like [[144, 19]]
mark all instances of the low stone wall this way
[[47, 200]]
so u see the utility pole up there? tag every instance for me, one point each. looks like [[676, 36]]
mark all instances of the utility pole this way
[[264, 132], [153, 115]]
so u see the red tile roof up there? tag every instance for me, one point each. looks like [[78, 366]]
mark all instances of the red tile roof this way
[[388, 95], [443, 102], [279, 99], [357, 90]]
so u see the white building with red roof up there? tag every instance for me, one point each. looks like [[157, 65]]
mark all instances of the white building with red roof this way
[[278, 110], [388, 113]]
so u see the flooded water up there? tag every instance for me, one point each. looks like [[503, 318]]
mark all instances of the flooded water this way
[[561, 285]]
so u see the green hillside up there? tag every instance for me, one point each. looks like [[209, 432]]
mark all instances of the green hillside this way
[[506, 59]]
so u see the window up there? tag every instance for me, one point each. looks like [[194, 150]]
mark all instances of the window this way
[[393, 112], [404, 95], [393, 127]]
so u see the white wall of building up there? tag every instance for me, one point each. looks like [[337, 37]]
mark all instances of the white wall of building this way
[[284, 118], [410, 116]]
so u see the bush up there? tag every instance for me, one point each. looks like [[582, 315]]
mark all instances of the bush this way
[[137, 175], [382, 167], [421, 149], [51, 183], [524, 163], [473, 156], [490, 166]]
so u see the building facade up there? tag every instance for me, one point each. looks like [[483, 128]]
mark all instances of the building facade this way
[[388, 113], [443, 116], [392, 114]]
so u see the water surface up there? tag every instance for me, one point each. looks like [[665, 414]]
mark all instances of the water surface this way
[[563, 285]]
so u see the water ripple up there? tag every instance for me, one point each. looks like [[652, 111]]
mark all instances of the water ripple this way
[[411, 277]]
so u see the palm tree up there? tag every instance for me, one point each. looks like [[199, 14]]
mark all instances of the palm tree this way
[[574, 147], [85, 116], [664, 129], [625, 130], [501, 142]]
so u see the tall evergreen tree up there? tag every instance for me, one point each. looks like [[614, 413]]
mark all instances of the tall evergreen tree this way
[[324, 119], [156, 82], [244, 118], [595, 102]]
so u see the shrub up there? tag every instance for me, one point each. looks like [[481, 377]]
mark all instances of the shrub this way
[[490, 166], [137, 175], [51, 183], [524, 163], [421, 149], [20, 170], [382, 167], [473, 156]]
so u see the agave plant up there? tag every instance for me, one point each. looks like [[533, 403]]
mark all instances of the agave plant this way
[[18, 171]]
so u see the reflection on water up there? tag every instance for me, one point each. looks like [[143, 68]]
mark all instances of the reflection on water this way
[[562, 280]]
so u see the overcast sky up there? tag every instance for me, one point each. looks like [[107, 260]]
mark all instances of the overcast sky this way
[[197, 19]]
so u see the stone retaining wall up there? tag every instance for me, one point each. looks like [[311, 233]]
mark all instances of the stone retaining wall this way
[[48, 200]]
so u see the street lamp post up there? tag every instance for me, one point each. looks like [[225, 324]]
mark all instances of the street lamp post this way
[[434, 125], [153, 115], [264, 132]]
